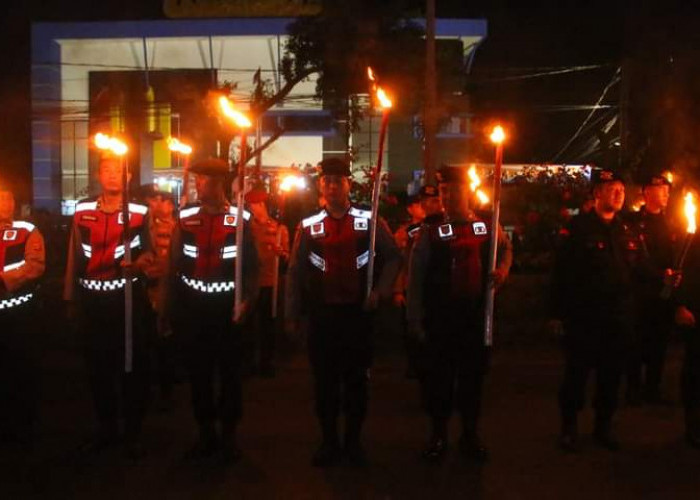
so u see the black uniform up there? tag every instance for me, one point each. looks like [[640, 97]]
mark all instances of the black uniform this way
[[597, 267], [654, 315]]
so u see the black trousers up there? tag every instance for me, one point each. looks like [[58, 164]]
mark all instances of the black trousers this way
[[264, 327], [212, 344], [18, 370], [599, 346], [690, 373], [103, 337], [340, 353], [457, 362], [650, 343]]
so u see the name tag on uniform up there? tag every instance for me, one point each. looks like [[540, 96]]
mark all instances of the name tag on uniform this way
[[230, 220], [479, 228], [10, 235], [88, 218], [193, 222], [361, 224], [445, 231], [318, 230]]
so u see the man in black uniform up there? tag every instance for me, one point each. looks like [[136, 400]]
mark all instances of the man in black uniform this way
[[327, 276], [654, 315], [446, 290], [599, 262]]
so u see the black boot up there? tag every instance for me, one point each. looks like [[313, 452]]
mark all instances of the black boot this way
[[328, 453], [437, 445], [106, 437], [229, 451], [471, 447], [207, 444], [603, 435], [692, 427], [568, 440]]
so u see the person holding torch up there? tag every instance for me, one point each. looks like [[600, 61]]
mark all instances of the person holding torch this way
[[326, 282], [197, 298], [95, 281], [447, 284]]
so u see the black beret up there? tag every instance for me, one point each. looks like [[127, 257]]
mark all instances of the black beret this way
[[213, 167], [152, 190], [655, 179], [603, 176], [334, 166], [450, 174]]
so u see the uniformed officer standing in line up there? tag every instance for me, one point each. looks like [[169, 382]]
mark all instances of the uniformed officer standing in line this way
[[22, 263], [95, 282], [448, 277], [326, 282], [654, 316], [600, 261], [198, 300], [272, 242]]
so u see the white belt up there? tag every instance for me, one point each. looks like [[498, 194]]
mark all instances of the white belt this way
[[15, 301], [103, 285], [208, 286]]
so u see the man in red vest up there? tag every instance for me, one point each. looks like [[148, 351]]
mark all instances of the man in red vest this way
[[22, 258], [95, 282], [198, 299], [448, 277], [327, 280]]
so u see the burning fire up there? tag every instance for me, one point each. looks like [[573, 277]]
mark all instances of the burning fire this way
[[178, 147], [236, 116], [105, 142], [498, 135], [292, 182], [384, 100], [474, 183], [690, 210], [669, 176]]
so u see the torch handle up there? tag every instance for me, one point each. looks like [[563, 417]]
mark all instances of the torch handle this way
[[276, 276], [238, 285], [668, 288], [185, 197], [128, 286], [493, 249], [375, 205]]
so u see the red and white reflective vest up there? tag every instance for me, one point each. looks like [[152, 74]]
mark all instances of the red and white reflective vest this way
[[100, 243], [338, 254], [208, 249], [13, 244]]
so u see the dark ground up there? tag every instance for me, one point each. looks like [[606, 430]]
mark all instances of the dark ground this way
[[278, 435]]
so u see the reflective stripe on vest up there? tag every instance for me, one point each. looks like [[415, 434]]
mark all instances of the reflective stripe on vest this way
[[229, 252], [190, 250], [314, 219], [12, 267], [317, 261], [119, 250], [103, 285], [362, 260], [87, 250], [23, 225], [15, 301], [208, 286]]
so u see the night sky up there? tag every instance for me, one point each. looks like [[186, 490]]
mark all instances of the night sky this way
[[525, 39]]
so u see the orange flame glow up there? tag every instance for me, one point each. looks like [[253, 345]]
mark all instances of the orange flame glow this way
[[669, 176], [498, 135], [233, 114], [370, 74], [105, 142], [384, 100], [179, 147], [474, 183], [690, 210], [291, 182]]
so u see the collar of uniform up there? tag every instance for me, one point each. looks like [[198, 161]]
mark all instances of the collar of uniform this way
[[328, 212], [5, 224], [469, 217]]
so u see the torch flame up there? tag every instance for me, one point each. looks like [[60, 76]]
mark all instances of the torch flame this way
[[292, 181], [669, 176], [179, 147], [370, 74], [474, 183], [384, 100], [690, 212], [236, 116], [117, 147], [498, 135]]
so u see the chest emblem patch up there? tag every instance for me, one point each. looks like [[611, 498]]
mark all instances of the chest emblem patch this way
[[10, 235], [230, 220], [318, 230], [445, 231], [479, 228], [361, 224]]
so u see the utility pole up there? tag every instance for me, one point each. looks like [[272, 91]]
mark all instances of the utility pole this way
[[429, 113]]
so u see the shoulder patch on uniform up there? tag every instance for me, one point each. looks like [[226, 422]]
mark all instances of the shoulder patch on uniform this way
[[357, 212], [479, 228], [445, 231], [318, 230], [360, 224], [9, 235], [314, 219], [86, 206], [189, 212], [230, 220]]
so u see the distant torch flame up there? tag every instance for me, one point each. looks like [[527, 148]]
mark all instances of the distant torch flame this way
[[291, 182], [370, 74], [176, 146], [669, 176], [690, 212], [236, 116], [498, 135], [474, 183], [382, 97], [105, 142]]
